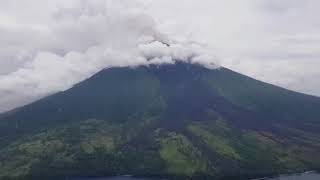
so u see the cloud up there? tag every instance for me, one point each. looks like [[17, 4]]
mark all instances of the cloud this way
[[82, 40], [47, 46]]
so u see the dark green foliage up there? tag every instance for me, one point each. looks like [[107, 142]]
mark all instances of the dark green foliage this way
[[176, 121]]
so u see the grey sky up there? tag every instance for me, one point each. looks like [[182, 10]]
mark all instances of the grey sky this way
[[48, 45]]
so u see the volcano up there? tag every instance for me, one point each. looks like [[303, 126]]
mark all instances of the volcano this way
[[177, 120]]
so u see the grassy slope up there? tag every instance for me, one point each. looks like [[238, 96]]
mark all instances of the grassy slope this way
[[100, 148]]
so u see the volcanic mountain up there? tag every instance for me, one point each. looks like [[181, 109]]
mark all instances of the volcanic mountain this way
[[177, 120]]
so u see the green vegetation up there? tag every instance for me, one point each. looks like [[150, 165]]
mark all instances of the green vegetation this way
[[216, 143], [181, 157], [182, 121]]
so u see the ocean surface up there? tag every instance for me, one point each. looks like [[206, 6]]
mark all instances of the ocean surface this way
[[304, 176], [113, 178]]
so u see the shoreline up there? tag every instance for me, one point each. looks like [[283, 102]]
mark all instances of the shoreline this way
[[288, 174], [138, 177]]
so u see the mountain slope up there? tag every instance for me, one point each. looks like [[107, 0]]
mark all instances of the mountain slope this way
[[170, 120]]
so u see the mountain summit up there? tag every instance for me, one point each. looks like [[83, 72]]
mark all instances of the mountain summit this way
[[177, 120]]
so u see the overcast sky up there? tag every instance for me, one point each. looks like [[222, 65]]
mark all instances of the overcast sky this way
[[48, 45]]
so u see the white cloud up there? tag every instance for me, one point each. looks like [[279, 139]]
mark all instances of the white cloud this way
[[48, 45], [78, 42]]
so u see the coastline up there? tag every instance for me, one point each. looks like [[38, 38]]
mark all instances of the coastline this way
[[163, 177], [288, 174]]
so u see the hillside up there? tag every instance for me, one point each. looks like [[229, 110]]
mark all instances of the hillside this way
[[180, 120]]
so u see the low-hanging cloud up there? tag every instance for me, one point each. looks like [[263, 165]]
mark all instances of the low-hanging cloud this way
[[87, 38], [47, 46]]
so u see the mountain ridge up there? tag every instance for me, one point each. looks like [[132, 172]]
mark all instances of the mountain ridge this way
[[176, 120]]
